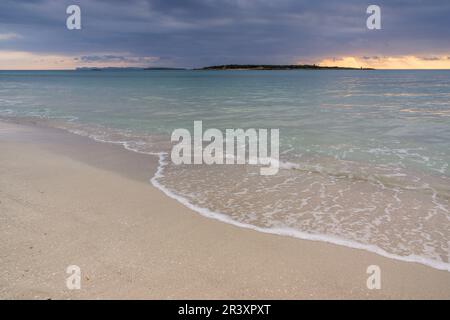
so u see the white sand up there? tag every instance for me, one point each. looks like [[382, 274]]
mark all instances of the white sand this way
[[66, 200]]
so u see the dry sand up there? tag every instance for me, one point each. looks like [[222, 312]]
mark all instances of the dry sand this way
[[66, 200]]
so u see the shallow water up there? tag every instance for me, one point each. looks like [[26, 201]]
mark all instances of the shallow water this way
[[364, 154]]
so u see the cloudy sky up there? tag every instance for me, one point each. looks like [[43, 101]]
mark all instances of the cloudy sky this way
[[193, 33]]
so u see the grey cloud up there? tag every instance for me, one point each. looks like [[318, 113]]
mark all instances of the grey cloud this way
[[430, 58], [198, 32], [115, 58], [371, 58]]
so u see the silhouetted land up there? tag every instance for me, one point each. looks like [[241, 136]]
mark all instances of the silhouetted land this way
[[276, 67], [226, 67], [125, 69]]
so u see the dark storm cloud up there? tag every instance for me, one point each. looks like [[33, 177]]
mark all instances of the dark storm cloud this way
[[202, 32]]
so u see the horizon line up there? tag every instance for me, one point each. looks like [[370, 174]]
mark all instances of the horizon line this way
[[199, 69]]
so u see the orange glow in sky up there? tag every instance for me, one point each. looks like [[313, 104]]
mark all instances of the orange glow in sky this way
[[393, 62], [20, 60]]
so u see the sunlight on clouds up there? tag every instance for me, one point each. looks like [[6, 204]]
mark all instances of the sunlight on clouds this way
[[21, 60], [394, 62]]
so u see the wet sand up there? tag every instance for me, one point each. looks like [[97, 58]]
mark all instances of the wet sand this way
[[67, 200]]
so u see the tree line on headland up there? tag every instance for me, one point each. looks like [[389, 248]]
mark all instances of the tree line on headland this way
[[277, 67], [232, 67]]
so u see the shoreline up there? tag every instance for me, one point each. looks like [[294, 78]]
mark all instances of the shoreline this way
[[224, 261], [206, 212]]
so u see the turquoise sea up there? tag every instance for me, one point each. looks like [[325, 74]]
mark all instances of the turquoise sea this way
[[365, 154]]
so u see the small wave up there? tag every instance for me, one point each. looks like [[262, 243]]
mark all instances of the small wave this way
[[6, 112], [386, 180], [134, 146], [288, 231]]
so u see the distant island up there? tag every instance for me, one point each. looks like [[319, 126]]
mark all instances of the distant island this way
[[162, 69], [277, 67], [107, 69], [126, 69], [226, 67]]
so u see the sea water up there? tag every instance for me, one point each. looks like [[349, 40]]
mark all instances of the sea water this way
[[364, 154]]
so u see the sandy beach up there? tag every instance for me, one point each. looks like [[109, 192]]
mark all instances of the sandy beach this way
[[67, 200]]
